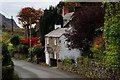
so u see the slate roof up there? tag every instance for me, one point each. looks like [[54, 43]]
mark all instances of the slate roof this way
[[67, 17], [56, 33]]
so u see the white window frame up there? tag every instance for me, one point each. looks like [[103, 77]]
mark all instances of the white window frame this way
[[55, 41], [47, 40]]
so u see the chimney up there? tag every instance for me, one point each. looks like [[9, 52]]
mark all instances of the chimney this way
[[65, 10], [77, 7], [78, 4], [57, 26]]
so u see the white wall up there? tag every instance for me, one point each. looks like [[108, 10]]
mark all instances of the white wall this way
[[47, 57], [65, 52]]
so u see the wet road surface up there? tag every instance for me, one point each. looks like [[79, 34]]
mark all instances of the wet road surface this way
[[29, 70]]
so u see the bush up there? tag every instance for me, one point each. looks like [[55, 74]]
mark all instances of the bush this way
[[10, 48], [7, 64], [15, 40], [98, 48], [112, 36], [7, 71], [15, 50], [67, 60], [80, 58], [6, 60], [37, 50], [23, 49], [28, 59]]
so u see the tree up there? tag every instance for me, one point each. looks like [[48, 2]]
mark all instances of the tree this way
[[85, 21], [48, 21], [28, 16], [15, 40]]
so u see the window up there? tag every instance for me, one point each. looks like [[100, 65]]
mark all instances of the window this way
[[55, 41], [47, 41]]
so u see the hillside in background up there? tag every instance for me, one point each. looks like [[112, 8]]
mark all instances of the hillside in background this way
[[5, 22], [17, 31]]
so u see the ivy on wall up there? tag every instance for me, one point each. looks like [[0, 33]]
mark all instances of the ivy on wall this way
[[112, 35]]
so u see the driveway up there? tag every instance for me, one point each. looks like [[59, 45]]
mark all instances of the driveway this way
[[28, 70]]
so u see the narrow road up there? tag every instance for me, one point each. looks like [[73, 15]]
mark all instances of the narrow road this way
[[28, 70]]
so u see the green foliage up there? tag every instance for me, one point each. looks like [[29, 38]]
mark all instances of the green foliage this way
[[28, 59], [7, 71], [23, 49], [17, 31], [7, 64], [80, 58], [38, 50], [15, 50], [67, 60], [111, 35], [6, 60], [15, 40], [5, 37], [17, 58], [98, 51], [10, 48], [48, 21], [15, 76]]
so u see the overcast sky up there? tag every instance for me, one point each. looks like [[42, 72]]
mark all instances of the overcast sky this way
[[12, 7]]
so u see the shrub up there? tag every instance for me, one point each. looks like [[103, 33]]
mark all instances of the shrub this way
[[112, 36], [7, 69], [67, 60], [80, 58], [7, 64], [28, 59], [38, 50], [23, 49], [6, 60], [10, 48], [15, 40], [7, 72], [98, 48], [30, 50]]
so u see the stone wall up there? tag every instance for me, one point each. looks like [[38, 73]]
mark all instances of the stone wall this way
[[89, 69], [56, 48], [17, 55]]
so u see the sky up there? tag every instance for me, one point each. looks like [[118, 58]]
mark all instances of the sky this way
[[12, 7]]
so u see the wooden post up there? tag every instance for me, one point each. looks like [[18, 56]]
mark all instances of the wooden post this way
[[30, 39], [12, 24]]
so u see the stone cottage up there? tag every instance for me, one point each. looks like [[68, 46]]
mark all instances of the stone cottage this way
[[56, 47]]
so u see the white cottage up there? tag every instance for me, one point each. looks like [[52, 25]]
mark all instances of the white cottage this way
[[56, 46]]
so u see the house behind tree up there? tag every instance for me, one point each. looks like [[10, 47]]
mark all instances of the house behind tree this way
[[56, 46]]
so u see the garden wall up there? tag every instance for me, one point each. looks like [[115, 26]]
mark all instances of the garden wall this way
[[89, 69], [18, 55]]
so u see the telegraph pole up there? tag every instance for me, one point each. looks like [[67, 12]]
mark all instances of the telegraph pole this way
[[12, 24], [30, 39]]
